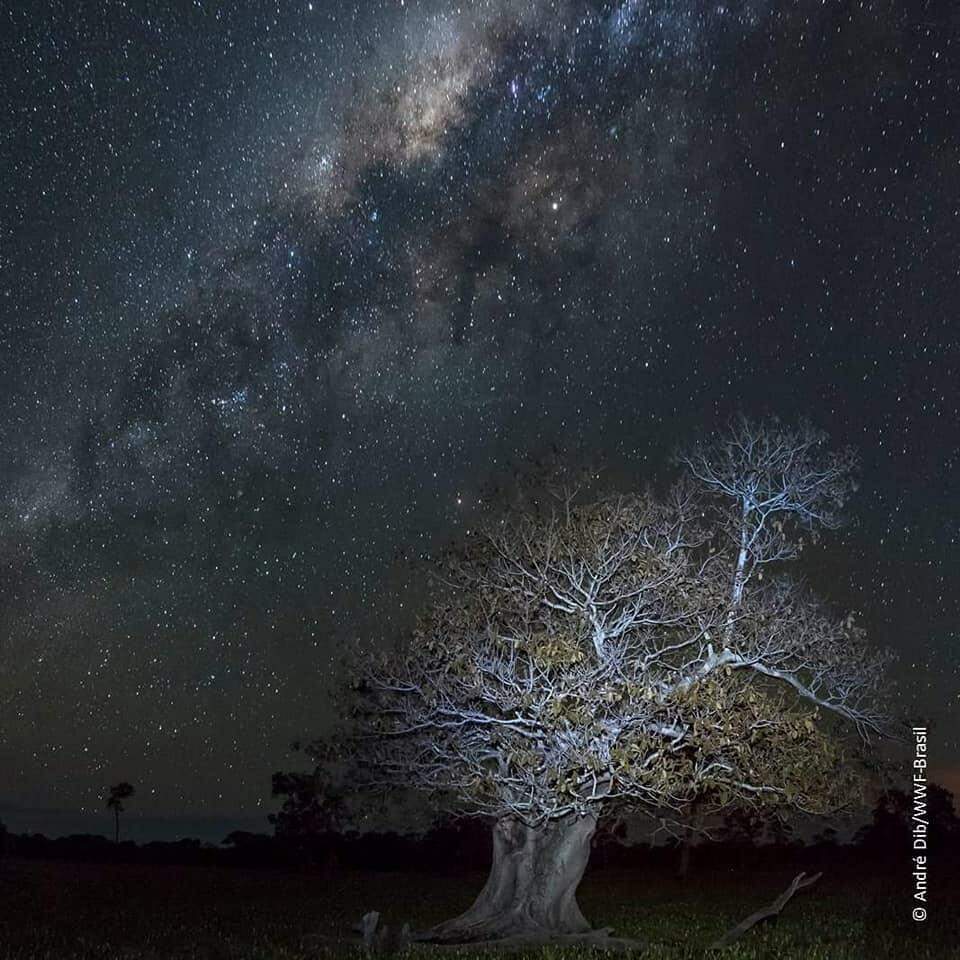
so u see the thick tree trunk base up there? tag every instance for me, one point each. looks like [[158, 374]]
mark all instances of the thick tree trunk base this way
[[531, 891]]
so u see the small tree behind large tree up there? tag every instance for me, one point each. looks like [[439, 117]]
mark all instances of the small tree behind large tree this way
[[589, 655], [310, 807], [118, 793]]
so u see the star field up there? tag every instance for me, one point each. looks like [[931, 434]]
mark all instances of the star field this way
[[282, 285]]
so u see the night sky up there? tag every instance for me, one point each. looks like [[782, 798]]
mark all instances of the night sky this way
[[282, 286]]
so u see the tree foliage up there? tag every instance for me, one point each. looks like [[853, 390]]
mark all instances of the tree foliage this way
[[311, 806], [118, 793], [583, 654]]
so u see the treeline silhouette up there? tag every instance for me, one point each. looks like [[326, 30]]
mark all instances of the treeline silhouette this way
[[463, 845]]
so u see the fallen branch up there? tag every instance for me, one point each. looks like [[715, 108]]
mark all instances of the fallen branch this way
[[800, 882]]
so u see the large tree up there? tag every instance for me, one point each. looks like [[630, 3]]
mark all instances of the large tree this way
[[590, 654]]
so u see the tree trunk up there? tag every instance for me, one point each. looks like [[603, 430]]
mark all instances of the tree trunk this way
[[739, 576], [532, 887], [116, 822]]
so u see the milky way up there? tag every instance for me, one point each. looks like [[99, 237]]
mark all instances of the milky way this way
[[283, 288]]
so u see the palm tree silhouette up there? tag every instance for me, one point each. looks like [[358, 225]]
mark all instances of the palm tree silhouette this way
[[118, 793]]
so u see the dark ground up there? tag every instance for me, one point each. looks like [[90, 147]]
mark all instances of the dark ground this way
[[68, 911]]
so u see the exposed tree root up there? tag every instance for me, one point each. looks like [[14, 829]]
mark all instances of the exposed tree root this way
[[595, 939], [512, 932], [381, 940]]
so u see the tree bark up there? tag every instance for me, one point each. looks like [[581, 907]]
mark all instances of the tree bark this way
[[739, 575], [532, 886]]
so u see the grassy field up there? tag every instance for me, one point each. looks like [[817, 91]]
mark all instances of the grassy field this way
[[58, 911]]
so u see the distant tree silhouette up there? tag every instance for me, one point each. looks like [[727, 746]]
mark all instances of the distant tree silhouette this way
[[779, 831], [311, 818], [242, 838], [742, 825], [250, 848], [118, 793], [826, 837], [888, 831], [941, 812], [312, 806]]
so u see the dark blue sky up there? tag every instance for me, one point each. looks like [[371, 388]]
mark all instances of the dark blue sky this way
[[281, 288]]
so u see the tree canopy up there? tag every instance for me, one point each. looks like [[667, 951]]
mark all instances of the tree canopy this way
[[612, 650]]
